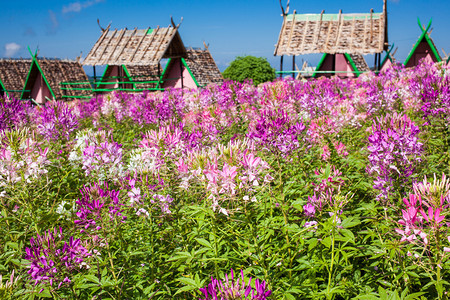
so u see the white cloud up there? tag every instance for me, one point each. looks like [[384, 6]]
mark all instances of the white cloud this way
[[78, 6], [11, 49]]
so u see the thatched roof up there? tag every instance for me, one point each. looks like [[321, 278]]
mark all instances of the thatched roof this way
[[203, 67], [54, 72], [332, 33], [13, 73], [136, 47]]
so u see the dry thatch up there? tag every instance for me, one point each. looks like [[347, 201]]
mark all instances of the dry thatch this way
[[136, 47], [13, 73], [360, 63], [332, 33], [56, 71], [203, 67]]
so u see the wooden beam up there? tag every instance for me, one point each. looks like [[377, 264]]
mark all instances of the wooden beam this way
[[141, 40], [352, 35], [365, 33], [106, 46], [281, 66], [292, 30], [122, 32], [100, 41], [371, 25], [304, 34], [316, 37], [330, 25], [126, 43], [339, 29], [280, 36], [162, 40]]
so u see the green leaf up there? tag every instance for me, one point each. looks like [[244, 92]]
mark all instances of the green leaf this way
[[204, 242]]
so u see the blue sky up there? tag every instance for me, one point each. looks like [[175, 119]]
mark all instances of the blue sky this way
[[66, 29]]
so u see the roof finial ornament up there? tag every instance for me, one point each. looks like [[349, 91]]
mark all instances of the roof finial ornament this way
[[173, 23], [101, 28], [206, 46]]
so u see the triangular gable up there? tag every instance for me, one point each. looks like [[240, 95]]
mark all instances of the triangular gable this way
[[33, 76], [424, 47], [355, 65], [62, 79], [171, 76], [203, 67]]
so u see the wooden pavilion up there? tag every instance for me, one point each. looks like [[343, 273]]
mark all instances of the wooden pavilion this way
[[137, 48], [198, 68], [336, 35], [13, 73], [424, 48], [46, 77]]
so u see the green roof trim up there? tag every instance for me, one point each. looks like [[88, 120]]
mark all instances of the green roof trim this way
[[448, 59], [35, 61], [164, 71], [149, 31], [352, 63], [322, 60], [189, 70], [425, 36], [333, 17]]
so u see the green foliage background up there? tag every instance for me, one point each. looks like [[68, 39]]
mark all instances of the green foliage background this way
[[257, 69]]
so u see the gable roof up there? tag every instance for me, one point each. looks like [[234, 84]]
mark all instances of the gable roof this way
[[357, 61], [203, 67], [13, 73], [136, 47], [332, 33], [424, 38], [54, 72]]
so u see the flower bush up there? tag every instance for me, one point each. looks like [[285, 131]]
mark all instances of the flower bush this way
[[320, 189]]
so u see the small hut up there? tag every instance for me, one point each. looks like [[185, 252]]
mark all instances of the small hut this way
[[336, 35], [342, 65], [136, 49], [13, 73], [199, 69], [424, 48], [129, 78], [55, 79]]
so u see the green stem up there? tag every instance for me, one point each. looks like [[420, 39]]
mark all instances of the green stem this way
[[330, 273]]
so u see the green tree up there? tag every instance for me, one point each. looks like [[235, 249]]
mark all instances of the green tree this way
[[250, 67]]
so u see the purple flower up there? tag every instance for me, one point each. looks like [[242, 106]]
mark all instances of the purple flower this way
[[96, 204], [57, 121], [232, 288], [395, 151], [53, 260], [309, 210]]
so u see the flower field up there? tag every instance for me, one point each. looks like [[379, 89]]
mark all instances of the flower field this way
[[321, 189]]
